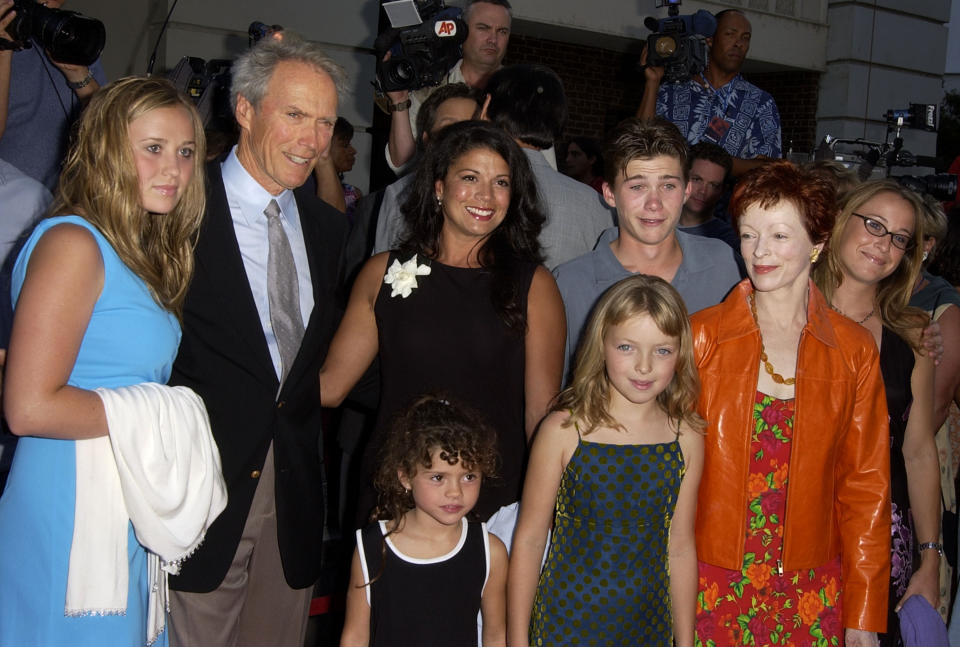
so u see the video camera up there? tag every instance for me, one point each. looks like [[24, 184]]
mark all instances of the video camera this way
[[869, 156], [208, 82], [69, 37], [679, 43], [424, 41]]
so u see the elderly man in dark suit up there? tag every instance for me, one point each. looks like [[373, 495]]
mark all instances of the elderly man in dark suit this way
[[257, 322]]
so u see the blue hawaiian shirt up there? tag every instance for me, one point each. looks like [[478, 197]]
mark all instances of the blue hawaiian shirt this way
[[740, 117]]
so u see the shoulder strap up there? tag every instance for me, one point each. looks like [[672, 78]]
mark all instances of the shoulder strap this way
[[486, 555]]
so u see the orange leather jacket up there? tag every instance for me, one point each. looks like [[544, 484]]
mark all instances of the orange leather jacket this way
[[838, 497]]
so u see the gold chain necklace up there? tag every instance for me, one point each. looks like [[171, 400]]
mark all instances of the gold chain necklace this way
[[768, 367], [869, 314]]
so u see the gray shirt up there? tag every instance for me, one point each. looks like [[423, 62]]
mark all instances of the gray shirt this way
[[706, 273], [576, 214], [390, 224]]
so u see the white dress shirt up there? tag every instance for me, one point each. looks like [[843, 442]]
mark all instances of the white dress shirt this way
[[247, 200]]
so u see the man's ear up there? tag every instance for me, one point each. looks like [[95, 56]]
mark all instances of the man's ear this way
[[244, 112], [483, 111], [608, 195]]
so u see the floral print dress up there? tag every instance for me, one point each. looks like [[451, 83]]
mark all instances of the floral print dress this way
[[763, 604]]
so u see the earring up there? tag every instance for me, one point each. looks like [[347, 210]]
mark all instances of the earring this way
[[439, 202], [925, 254], [814, 255]]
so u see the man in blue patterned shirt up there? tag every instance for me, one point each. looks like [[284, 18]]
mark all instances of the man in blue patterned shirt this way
[[720, 106]]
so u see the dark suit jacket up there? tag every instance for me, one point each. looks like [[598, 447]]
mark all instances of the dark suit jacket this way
[[224, 357]]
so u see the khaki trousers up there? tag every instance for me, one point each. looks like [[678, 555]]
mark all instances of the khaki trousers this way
[[253, 606]]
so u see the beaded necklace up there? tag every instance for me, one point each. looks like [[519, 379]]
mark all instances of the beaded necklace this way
[[776, 377]]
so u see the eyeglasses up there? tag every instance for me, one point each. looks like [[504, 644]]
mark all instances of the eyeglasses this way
[[876, 228]]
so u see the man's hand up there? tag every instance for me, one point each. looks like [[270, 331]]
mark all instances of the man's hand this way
[[6, 10], [651, 74], [931, 343], [396, 96]]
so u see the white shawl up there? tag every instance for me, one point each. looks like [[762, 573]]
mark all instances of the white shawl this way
[[159, 469]]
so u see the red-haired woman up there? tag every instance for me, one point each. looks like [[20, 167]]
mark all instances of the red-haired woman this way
[[793, 518]]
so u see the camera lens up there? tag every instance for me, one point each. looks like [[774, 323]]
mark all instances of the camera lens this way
[[665, 46], [404, 72]]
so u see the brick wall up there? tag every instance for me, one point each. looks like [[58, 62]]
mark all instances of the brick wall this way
[[604, 86]]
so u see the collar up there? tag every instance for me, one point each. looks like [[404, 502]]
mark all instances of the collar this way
[[732, 83], [535, 156], [612, 268], [246, 193], [737, 320]]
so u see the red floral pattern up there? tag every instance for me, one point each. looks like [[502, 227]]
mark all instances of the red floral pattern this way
[[756, 605]]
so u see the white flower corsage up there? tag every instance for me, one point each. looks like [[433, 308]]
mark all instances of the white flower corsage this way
[[403, 277]]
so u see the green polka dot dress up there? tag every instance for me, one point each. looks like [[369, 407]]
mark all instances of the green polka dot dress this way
[[606, 580]]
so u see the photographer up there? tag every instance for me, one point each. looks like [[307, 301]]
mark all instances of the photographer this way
[[488, 33], [45, 97], [720, 106]]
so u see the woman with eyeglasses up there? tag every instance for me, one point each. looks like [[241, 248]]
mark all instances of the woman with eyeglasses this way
[[871, 266]]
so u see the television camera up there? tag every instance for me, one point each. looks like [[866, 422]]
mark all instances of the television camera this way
[[679, 43], [69, 37], [873, 159], [424, 42]]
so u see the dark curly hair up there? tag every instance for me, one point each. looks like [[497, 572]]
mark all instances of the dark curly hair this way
[[511, 244], [432, 422]]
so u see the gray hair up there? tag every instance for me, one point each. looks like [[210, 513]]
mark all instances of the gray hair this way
[[253, 69]]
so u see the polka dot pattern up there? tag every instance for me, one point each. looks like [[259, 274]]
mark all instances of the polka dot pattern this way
[[606, 580]]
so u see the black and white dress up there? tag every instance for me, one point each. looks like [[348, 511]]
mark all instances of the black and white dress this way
[[424, 602]]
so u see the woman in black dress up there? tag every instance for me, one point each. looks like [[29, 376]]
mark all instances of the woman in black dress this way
[[872, 263], [463, 306]]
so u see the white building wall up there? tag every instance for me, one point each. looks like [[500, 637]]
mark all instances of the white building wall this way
[[882, 56]]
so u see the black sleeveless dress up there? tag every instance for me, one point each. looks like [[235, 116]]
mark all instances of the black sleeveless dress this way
[[896, 365], [424, 602], [446, 336]]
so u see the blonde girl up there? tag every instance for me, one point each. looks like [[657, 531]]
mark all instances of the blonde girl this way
[[615, 468]]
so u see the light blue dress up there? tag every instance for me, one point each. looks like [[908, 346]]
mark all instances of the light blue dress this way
[[129, 340]]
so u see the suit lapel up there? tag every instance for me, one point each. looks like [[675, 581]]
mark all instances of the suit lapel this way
[[219, 255]]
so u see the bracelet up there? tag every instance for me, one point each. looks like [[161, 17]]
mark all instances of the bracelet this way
[[931, 545], [399, 107], [78, 85]]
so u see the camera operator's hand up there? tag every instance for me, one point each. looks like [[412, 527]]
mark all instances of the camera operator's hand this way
[[401, 145], [653, 76], [79, 78], [6, 10]]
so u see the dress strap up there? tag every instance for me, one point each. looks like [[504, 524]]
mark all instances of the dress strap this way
[[679, 422]]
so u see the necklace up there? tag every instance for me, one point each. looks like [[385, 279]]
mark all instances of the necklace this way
[[768, 367], [869, 314]]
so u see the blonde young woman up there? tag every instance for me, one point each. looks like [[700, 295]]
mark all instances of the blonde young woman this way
[[869, 273], [98, 289]]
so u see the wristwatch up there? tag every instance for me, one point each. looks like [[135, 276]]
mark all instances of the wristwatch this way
[[931, 545], [77, 85], [399, 107]]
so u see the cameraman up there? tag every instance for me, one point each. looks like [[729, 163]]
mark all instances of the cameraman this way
[[46, 97], [720, 106], [488, 33]]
